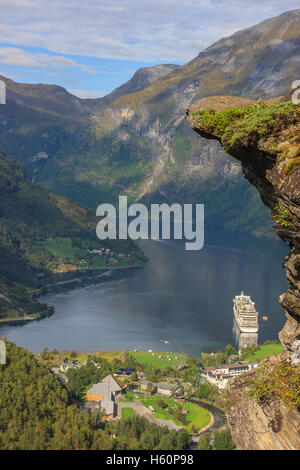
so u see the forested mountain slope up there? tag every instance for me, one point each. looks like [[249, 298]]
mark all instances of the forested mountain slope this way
[[34, 225]]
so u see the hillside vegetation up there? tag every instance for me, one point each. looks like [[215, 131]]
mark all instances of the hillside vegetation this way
[[30, 218], [36, 413], [246, 125]]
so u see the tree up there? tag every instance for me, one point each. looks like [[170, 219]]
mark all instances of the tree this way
[[204, 390], [183, 439], [160, 403], [215, 359], [192, 375], [203, 443], [36, 412], [133, 377], [190, 360], [248, 351], [223, 440], [230, 350], [166, 443], [45, 354], [73, 354], [115, 365]]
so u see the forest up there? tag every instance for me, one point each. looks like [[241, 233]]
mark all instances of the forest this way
[[37, 412]]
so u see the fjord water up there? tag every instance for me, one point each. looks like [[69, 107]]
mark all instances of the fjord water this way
[[184, 297]]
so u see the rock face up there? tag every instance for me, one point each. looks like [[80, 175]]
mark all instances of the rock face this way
[[262, 427], [271, 163]]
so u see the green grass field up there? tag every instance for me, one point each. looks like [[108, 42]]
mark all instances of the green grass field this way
[[127, 412], [152, 359], [129, 396], [197, 417], [56, 359], [265, 351], [161, 413], [65, 251]]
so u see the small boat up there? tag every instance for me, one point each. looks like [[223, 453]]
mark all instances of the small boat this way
[[165, 341], [264, 317]]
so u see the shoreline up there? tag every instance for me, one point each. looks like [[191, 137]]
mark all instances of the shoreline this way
[[50, 310], [17, 321], [106, 268]]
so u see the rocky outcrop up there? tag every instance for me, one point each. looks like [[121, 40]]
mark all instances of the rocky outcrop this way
[[261, 426], [270, 161], [266, 166]]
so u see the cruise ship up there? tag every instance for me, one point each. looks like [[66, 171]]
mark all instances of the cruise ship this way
[[245, 315]]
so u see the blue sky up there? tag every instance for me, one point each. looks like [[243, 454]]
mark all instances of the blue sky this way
[[92, 47]]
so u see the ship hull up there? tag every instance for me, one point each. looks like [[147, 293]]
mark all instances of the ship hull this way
[[243, 340]]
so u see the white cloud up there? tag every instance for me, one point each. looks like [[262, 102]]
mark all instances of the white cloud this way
[[148, 30], [19, 57], [58, 62], [14, 56]]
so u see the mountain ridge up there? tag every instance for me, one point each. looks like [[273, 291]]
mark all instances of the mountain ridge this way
[[139, 144]]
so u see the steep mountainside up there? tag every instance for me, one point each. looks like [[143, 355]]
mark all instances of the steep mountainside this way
[[140, 144], [40, 231], [265, 138]]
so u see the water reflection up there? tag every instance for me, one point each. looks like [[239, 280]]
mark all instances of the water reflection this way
[[182, 296], [243, 339]]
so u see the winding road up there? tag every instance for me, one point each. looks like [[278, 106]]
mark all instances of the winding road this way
[[219, 420]]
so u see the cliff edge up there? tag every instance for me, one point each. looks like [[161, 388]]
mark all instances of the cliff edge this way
[[265, 137]]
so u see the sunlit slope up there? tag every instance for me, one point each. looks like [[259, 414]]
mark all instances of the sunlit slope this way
[[140, 145]]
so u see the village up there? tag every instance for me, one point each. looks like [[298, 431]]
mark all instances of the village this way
[[222, 374], [95, 258], [127, 392], [169, 389]]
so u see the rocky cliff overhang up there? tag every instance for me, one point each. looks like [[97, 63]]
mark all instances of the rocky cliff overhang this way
[[265, 138]]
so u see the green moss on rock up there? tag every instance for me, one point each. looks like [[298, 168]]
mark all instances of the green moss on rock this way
[[246, 125]]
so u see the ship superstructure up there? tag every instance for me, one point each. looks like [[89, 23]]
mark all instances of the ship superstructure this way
[[245, 313]]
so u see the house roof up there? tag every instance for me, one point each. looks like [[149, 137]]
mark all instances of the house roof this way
[[113, 385], [148, 382], [108, 406], [225, 366], [101, 389], [105, 389], [166, 386], [238, 366]]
